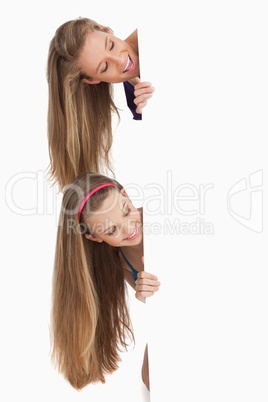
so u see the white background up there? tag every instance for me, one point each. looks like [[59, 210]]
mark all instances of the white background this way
[[205, 125], [29, 241]]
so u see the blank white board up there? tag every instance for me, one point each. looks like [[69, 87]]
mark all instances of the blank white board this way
[[205, 156]]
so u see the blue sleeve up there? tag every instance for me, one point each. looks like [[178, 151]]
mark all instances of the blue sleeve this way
[[129, 91]]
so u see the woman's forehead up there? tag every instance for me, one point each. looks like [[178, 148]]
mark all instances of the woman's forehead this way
[[92, 50], [112, 204]]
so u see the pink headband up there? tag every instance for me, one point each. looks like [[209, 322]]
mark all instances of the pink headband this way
[[89, 195]]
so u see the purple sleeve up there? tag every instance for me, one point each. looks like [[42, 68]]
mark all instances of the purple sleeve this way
[[129, 91]]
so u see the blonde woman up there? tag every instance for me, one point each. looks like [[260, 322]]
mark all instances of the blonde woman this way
[[99, 248], [85, 59]]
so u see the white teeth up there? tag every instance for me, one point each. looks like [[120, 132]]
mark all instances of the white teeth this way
[[133, 234], [128, 61]]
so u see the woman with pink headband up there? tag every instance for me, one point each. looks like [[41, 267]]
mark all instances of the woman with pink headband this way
[[85, 60], [99, 248]]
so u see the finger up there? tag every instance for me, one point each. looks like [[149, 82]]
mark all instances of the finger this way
[[137, 80], [144, 294], [142, 299], [144, 274], [142, 98], [145, 288], [140, 107], [142, 258], [144, 84], [141, 91], [149, 282]]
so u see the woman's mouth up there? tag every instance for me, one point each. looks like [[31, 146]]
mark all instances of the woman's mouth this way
[[130, 65], [134, 234]]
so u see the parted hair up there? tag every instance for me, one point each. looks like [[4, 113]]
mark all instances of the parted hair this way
[[79, 114], [90, 322]]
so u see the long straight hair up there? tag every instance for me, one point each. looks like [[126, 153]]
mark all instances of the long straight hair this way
[[90, 322], [79, 114]]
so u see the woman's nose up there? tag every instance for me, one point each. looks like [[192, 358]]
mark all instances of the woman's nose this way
[[118, 59]]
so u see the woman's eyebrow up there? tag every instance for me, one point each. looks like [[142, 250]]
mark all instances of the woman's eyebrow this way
[[105, 46], [106, 230]]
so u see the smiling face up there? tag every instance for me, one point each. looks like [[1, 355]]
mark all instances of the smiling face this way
[[107, 58], [117, 222]]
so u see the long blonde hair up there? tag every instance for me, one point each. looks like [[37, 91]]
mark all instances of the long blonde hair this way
[[79, 114], [90, 321]]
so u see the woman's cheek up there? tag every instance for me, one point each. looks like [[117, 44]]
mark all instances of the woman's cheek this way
[[115, 241]]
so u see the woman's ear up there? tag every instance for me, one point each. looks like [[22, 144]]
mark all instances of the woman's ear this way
[[106, 29], [93, 238], [90, 81], [123, 191]]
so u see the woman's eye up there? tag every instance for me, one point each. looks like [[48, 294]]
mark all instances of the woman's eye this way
[[106, 64], [112, 232], [127, 212], [106, 67]]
